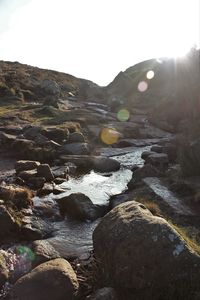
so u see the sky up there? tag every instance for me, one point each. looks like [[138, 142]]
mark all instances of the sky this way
[[96, 39]]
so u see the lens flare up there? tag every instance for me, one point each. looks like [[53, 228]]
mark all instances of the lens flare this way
[[26, 252], [150, 74], [142, 86], [123, 115], [109, 136]]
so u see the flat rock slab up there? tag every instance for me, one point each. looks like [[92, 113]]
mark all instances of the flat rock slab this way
[[168, 196]]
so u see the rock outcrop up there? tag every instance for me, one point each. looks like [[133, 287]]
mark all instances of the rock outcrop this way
[[143, 257]]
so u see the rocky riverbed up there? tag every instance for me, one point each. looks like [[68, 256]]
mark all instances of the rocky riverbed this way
[[93, 200]]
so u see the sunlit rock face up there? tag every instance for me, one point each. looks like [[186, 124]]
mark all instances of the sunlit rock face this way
[[142, 255]]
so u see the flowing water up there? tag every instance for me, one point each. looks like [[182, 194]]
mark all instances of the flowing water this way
[[74, 238]]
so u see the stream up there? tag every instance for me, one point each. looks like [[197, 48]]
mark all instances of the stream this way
[[74, 238]]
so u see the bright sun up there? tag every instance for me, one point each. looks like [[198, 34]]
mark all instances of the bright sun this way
[[96, 39]]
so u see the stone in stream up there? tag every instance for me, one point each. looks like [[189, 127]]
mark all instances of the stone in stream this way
[[146, 171], [26, 175], [157, 149], [52, 280], [159, 160], [143, 257], [80, 207], [36, 182], [44, 170], [24, 165], [75, 149], [146, 154]]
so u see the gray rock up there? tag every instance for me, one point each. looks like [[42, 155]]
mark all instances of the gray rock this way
[[26, 175], [36, 182], [24, 165], [146, 171], [43, 252], [76, 137], [104, 164], [57, 134], [75, 149], [52, 280], [159, 160], [44, 170], [80, 207], [142, 256], [157, 148], [50, 87]]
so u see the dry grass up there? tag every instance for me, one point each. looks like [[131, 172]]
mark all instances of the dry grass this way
[[189, 234], [152, 206]]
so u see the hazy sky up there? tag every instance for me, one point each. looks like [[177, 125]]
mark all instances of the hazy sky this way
[[95, 39]]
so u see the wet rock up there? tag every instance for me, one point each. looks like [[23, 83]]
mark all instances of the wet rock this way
[[60, 172], [80, 207], [106, 293], [146, 171], [52, 280], [43, 251], [26, 175], [143, 257], [104, 164], [24, 165], [45, 190], [146, 154], [157, 149], [76, 137], [44, 170], [159, 160], [75, 149], [36, 182], [59, 180]]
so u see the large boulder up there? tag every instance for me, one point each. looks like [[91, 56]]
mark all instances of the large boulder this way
[[52, 280], [144, 257], [50, 87], [80, 207]]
